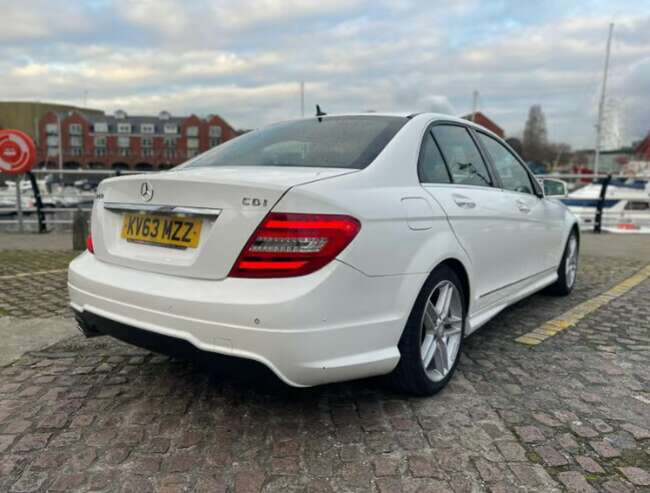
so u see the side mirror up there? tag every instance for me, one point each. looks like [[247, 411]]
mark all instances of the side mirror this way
[[554, 188]]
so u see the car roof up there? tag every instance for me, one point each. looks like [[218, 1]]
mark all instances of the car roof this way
[[423, 118], [417, 116]]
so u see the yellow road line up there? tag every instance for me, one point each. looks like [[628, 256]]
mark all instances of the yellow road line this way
[[577, 313], [29, 274]]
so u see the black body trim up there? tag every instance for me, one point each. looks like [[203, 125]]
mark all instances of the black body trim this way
[[175, 347]]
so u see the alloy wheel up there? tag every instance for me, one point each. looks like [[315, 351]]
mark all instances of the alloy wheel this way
[[571, 267], [441, 330]]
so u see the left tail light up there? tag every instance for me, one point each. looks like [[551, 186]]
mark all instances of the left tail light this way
[[289, 245], [89, 244]]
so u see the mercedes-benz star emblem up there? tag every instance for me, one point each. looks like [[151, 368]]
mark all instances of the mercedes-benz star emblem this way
[[146, 191]]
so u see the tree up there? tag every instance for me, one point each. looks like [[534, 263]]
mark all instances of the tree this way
[[535, 142]]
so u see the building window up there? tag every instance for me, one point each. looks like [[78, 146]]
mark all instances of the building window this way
[[100, 151], [147, 152], [193, 144], [170, 153], [192, 131], [101, 127], [124, 128], [75, 128], [76, 141], [76, 151], [123, 142], [170, 142], [191, 153], [170, 128], [215, 142], [215, 131], [51, 129], [147, 128], [100, 141], [52, 151], [52, 140], [146, 142], [123, 152]]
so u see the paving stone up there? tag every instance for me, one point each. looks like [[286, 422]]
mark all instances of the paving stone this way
[[583, 430], [616, 486], [636, 475], [512, 451], [589, 465], [31, 442], [530, 434], [575, 482], [550, 456], [605, 449], [636, 431]]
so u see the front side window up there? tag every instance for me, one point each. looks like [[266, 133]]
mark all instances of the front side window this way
[[75, 129], [431, 166], [513, 175], [330, 142], [124, 128], [462, 156]]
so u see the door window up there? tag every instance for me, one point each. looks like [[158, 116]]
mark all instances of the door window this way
[[462, 156], [513, 175], [431, 167]]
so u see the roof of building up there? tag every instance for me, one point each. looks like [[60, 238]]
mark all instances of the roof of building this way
[[480, 118]]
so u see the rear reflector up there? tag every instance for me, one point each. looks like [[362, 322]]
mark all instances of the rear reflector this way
[[289, 245], [89, 244]]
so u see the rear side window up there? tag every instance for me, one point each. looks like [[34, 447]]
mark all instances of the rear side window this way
[[463, 158], [512, 173], [331, 142], [431, 166]]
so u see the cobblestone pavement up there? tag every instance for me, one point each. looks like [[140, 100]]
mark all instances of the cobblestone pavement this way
[[572, 414]]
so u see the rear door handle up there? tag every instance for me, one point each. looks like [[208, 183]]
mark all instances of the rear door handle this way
[[523, 206], [464, 202]]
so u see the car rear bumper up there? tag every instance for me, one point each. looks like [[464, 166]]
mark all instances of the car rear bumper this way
[[335, 324]]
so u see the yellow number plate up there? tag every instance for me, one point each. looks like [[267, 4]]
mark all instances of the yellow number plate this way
[[169, 231]]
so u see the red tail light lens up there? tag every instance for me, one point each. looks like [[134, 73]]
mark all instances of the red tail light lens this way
[[89, 244], [289, 245]]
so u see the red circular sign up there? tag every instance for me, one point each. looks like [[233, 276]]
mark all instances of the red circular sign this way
[[17, 152]]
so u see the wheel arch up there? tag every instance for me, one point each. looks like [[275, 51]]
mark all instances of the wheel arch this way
[[461, 271]]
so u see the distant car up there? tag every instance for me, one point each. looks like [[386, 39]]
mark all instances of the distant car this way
[[327, 249]]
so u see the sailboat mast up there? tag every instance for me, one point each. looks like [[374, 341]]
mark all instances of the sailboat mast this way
[[601, 104]]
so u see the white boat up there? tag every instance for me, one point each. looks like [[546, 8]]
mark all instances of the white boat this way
[[626, 208]]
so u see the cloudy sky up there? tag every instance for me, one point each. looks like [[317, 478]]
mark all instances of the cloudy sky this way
[[243, 58]]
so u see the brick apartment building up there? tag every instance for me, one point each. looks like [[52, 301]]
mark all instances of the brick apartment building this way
[[120, 141]]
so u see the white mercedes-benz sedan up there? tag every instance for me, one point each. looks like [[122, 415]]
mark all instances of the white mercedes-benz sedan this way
[[327, 248]]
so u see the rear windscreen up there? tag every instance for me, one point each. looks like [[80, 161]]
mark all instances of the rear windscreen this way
[[331, 142]]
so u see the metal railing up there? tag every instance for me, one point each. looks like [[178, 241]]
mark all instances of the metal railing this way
[[21, 216]]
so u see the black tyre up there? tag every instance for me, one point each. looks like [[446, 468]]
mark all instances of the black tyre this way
[[567, 271], [433, 337]]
